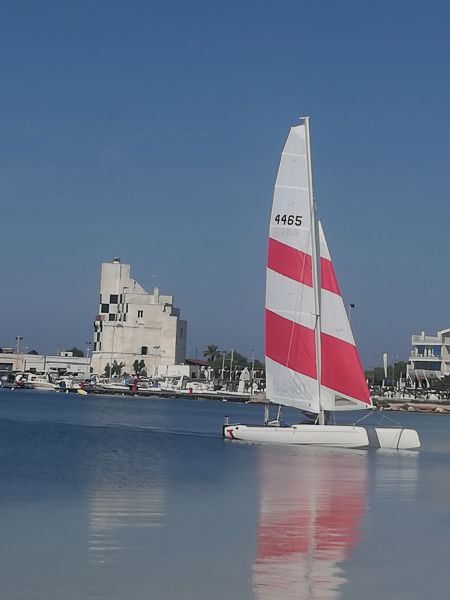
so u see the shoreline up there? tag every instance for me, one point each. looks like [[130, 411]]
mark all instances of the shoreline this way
[[424, 407]]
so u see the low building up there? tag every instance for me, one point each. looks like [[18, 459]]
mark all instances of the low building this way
[[429, 359], [39, 363], [135, 330]]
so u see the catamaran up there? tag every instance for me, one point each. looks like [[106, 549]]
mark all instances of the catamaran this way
[[312, 361]]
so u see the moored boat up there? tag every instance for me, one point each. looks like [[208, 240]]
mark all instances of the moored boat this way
[[36, 381]]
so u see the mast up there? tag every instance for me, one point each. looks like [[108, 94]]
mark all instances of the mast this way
[[315, 252]]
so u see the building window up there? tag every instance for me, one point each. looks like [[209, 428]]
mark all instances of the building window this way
[[105, 308], [113, 299], [95, 346], [112, 317], [140, 314], [181, 331], [144, 349]]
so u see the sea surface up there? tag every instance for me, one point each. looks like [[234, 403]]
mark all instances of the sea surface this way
[[132, 499]]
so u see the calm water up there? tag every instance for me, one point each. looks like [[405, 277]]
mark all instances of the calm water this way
[[134, 499]]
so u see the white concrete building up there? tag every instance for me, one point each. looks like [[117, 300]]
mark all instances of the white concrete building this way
[[64, 363], [430, 357], [135, 325]]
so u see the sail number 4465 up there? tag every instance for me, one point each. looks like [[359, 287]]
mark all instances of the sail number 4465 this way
[[288, 220]]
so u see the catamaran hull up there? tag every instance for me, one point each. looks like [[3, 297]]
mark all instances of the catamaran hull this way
[[337, 436], [397, 438]]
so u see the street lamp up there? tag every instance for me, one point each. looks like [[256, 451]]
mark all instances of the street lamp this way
[[231, 362], [115, 325], [253, 371], [223, 352], [350, 308], [18, 339], [393, 371], [156, 362]]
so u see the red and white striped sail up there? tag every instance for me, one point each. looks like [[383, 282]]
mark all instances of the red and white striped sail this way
[[343, 385], [292, 368]]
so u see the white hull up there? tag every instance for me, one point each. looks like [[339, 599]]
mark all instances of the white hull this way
[[398, 438], [118, 387], [338, 436], [43, 385]]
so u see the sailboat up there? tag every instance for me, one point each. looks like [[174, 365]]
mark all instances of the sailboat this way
[[312, 361]]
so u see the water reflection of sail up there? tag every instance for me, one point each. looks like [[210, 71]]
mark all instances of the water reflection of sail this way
[[311, 509]]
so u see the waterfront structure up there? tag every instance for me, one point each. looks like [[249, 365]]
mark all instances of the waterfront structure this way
[[429, 359], [135, 330], [64, 363]]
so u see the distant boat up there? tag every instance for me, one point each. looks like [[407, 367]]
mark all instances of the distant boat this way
[[35, 381], [312, 362], [116, 387]]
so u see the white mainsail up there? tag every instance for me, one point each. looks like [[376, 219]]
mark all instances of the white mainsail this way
[[291, 370], [304, 329]]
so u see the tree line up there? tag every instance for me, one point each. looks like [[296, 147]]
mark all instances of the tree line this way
[[218, 359]]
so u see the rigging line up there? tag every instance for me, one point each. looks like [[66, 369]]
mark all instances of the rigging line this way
[[383, 416], [380, 414], [363, 418]]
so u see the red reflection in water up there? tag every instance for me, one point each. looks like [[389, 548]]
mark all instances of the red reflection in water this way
[[311, 509]]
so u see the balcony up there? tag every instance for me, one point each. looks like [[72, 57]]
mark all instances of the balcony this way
[[416, 355], [418, 340], [425, 373]]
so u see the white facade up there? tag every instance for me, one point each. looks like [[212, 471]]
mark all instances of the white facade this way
[[135, 325], [430, 357], [64, 363]]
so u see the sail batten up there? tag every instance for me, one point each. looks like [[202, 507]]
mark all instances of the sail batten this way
[[308, 336]]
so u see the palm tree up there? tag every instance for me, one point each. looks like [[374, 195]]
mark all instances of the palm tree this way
[[117, 368], [211, 353], [139, 367]]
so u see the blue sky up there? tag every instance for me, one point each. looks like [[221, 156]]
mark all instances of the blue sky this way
[[152, 131]]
